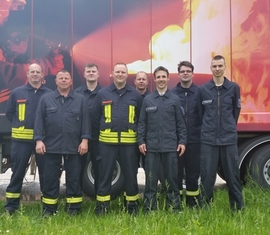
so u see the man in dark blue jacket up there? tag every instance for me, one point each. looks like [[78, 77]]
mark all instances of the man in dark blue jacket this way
[[161, 137], [62, 131], [220, 104], [189, 163], [21, 112], [89, 91], [115, 119]]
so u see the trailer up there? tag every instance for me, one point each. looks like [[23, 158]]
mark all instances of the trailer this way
[[145, 34]]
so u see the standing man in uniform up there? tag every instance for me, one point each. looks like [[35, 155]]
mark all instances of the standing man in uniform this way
[[189, 163], [62, 131], [220, 104], [162, 138], [115, 122], [21, 111], [89, 91], [141, 83]]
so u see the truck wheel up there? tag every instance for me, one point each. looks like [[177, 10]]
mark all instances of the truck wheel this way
[[260, 166], [89, 178]]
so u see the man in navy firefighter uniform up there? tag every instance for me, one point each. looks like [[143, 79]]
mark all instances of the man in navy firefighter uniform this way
[[21, 111], [89, 91], [62, 131], [219, 107], [162, 138], [189, 163], [115, 125]]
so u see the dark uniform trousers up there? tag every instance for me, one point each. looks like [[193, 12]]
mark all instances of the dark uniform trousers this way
[[20, 154], [95, 159], [227, 157], [52, 182], [189, 166], [169, 161], [127, 157]]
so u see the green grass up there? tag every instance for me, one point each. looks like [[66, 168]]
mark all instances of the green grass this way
[[218, 220]]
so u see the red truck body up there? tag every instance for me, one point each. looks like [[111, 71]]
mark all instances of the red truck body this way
[[145, 34]]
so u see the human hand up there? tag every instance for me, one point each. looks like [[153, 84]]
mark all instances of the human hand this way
[[181, 149], [40, 147], [143, 149]]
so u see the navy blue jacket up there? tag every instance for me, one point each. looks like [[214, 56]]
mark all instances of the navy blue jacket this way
[[62, 122], [161, 126], [219, 108], [189, 100], [120, 102], [24, 118], [89, 95]]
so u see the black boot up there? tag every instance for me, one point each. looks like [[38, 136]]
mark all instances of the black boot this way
[[102, 208]]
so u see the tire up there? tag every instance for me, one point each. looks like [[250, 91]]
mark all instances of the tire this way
[[117, 185], [260, 166]]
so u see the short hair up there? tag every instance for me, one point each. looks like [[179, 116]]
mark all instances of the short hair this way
[[185, 63], [35, 64], [63, 71], [120, 63], [141, 72], [90, 65], [218, 57], [161, 68]]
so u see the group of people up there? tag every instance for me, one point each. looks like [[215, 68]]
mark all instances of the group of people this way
[[186, 131]]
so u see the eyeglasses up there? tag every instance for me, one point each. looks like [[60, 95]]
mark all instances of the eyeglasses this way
[[185, 71]]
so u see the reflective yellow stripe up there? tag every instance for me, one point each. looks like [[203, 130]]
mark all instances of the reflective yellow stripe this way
[[131, 114], [193, 193], [107, 136], [108, 113], [21, 112], [74, 199], [103, 198], [13, 195], [49, 201], [181, 192], [132, 198], [22, 133]]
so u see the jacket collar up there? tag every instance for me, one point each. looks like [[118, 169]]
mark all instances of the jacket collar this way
[[181, 89], [167, 94], [226, 84], [71, 94], [30, 87], [112, 87]]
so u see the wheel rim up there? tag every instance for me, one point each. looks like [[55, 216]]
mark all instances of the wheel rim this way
[[266, 172], [115, 177]]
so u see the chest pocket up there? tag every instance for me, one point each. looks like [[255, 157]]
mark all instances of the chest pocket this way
[[75, 113], [170, 109], [151, 109], [21, 104]]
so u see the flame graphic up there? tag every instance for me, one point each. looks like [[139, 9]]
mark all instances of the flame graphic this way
[[240, 32]]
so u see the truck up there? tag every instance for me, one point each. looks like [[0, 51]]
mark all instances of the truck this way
[[145, 34]]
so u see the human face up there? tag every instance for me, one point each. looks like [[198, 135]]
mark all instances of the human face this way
[[120, 75], [35, 75], [218, 68], [141, 82], [91, 74], [63, 81], [185, 75], [161, 79]]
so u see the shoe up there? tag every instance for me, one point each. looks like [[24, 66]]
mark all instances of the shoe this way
[[101, 209], [9, 211], [74, 212], [47, 213]]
